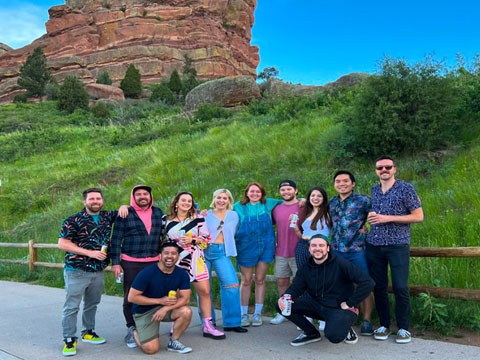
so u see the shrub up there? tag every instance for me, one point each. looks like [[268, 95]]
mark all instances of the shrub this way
[[20, 98], [104, 78], [100, 110], [52, 89], [161, 92], [131, 84], [72, 95], [404, 109], [207, 112]]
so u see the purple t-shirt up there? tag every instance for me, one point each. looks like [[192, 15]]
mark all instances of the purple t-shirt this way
[[286, 238]]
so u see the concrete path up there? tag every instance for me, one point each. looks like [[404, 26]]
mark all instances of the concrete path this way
[[30, 329]]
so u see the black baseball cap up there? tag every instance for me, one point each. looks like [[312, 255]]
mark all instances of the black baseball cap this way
[[287, 183], [143, 187]]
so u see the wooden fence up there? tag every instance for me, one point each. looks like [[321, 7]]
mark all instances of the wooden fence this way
[[439, 292]]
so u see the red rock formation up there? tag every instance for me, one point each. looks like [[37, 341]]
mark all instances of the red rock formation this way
[[85, 37]]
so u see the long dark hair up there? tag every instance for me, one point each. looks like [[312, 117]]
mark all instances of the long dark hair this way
[[245, 200], [173, 205], [323, 211]]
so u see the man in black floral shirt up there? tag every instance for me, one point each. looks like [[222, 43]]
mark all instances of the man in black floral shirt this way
[[82, 237]]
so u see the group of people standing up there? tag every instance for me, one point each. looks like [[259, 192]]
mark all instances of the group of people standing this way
[[324, 246]]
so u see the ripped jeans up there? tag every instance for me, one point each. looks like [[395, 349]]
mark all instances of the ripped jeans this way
[[229, 289]]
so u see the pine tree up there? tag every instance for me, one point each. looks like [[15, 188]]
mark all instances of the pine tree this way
[[72, 95], [34, 73], [131, 84], [175, 83], [104, 78]]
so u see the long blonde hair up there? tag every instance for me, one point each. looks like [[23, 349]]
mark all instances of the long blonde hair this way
[[222, 191]]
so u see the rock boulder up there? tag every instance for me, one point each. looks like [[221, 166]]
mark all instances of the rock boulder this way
[[226, 92]]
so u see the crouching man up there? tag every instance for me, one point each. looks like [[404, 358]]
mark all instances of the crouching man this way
[[326, 288], [152, 304]]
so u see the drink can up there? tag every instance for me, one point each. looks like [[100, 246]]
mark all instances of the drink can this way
[[172, 293], [293, 221], [287, 300], [119, 279], [104, 248]]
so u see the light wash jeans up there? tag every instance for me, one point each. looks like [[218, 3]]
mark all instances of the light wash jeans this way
[[230, 296], [81, 284]]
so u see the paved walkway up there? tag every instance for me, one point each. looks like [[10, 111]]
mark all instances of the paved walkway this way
[[30, 329]]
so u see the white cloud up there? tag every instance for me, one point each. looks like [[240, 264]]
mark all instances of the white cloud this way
[[22, 25]]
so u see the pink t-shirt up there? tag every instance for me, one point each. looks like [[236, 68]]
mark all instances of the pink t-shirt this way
[[286, 238]]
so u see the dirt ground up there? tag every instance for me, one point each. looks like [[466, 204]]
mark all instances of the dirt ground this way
[[461, 336]]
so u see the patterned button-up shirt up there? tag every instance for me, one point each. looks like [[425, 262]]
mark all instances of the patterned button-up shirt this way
[[400, 199], [82, 230], [348, 217]]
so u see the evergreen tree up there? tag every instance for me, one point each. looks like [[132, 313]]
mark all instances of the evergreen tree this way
[[175, 83], [131, 84], [104, 78], [34, 73], [72, 95], [188, 69]]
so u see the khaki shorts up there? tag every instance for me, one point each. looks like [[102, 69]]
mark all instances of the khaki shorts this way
[[285, 267], [148, 329]]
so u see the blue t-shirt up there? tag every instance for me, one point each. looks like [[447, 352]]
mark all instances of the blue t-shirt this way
[[154, 283]]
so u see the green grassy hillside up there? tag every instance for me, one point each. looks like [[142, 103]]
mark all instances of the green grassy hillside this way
[[48, 158]]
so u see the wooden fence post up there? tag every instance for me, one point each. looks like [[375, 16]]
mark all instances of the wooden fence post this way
[[32, 255]]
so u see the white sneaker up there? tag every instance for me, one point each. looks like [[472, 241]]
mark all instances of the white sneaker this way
[[278, 319]]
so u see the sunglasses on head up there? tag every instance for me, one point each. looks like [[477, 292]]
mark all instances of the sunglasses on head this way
[[386, 167]]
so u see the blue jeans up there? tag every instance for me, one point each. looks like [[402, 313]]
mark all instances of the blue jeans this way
[[337, 321], [398, 257], [357, 258], [230, 296], [81, 284]]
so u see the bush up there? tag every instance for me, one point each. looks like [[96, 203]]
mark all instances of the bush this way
[[131, 84], [100, 110], [403, 110], [20, 98], [72, 95], [207, 112], [104, 78], [52, 90], [161, 92]]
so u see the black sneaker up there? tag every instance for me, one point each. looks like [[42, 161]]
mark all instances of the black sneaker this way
[[352, 337], [304, 339]]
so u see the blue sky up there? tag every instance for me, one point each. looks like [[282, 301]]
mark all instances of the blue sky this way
[[317, 41]]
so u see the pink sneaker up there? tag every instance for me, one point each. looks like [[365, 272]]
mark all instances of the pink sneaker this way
[[210, 331]]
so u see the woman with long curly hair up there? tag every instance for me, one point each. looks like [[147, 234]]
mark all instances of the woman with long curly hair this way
[[190, 231]]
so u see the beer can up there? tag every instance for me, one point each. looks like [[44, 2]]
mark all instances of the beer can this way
[[172, 293], [287, 300], [293, 221], [104, 248], [119, 279]]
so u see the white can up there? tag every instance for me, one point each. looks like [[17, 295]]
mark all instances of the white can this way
[[287, 301], [293, 221], [119, 279]]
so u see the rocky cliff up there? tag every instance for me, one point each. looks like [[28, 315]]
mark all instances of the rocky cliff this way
[[85, 37]]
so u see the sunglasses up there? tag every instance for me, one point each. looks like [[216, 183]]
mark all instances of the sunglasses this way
[[220, 227], [386, 167]]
